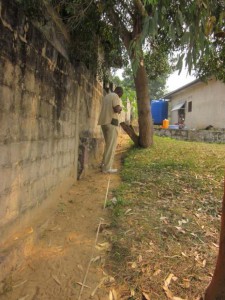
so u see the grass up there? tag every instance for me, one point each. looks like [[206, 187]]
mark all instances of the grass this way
[[167, 220]]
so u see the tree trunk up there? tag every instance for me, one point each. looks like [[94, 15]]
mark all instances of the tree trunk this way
[[144, 110], [140, 76], [216, 289]]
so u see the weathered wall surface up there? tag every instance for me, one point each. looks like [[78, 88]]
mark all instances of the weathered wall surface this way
[[42, 116], [90, 147]]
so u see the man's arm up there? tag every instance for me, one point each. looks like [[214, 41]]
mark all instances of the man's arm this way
[[117, 109]]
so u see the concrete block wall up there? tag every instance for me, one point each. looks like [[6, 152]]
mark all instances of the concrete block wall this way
[[91, 141], [209, 136], [41, 115]]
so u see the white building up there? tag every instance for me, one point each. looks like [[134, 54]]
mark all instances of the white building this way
[[198, 104]]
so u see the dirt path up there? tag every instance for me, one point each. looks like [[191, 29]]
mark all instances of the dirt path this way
[[65, 255]]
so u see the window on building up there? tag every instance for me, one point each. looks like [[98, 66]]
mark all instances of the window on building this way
[[189, 106]]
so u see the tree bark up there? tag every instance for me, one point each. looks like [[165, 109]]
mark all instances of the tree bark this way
[[145, 139], [216, 288], [144, 109]]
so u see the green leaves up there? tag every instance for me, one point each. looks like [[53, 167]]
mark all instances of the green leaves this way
[[180, 17], [193, 27], [180, 62], [209, 25], [153, 2], [32, 8]]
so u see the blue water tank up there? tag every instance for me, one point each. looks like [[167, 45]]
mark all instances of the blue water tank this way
[[159, 109]]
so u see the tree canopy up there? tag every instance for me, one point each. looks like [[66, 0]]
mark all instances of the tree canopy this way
[[195, 28], [214, 63]]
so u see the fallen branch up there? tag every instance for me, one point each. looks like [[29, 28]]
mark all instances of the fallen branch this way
[[130, 131]]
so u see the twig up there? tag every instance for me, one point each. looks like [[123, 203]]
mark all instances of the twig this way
[[106, 195], [83, 285], [19, 284]]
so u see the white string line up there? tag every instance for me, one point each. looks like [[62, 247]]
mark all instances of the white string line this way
[[107, 190], [96, 239]]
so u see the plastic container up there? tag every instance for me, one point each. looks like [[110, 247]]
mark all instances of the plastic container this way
[[159, 109], [165, 124]]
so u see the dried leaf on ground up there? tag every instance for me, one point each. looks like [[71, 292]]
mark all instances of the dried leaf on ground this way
[[94, 259], [168, 292], [157, 272], [24, 298], [168, 279], [56, 279], [204, 263], [186, 283], [180, 229], [105, 280], [145, 296], [127, 211], [103, 246], [112, 295]]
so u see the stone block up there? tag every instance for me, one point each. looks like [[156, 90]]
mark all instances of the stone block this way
[[66, 159], [19, 152], [35, 150], [30, 82], [24, 199], [41, 188], [60, 145], [6, 94], [45, 110], [45, 129], [9, 207], [29, 129], [9, 177], [15, 123], [30, 105], [72, 144], [46, 166], [10, 127], [5, 127], [30, 172], [5, 159], [8, 75], [52, 145]]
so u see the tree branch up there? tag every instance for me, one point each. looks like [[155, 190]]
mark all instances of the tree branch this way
[[140, 8], [57, 20], [116, 21]]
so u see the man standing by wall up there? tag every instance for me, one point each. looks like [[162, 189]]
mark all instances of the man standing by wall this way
[[109, 120]]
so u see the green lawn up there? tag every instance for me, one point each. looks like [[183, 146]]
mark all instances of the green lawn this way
[[166, 220]]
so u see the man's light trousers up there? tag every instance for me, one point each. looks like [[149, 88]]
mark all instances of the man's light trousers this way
[[110, 133]]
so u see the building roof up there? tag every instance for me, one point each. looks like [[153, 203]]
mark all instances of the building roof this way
[[169, 95]]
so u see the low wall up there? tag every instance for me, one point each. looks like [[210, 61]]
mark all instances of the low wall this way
[[209, 136]]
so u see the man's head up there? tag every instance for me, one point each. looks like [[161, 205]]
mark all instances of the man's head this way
[[119, 91]]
